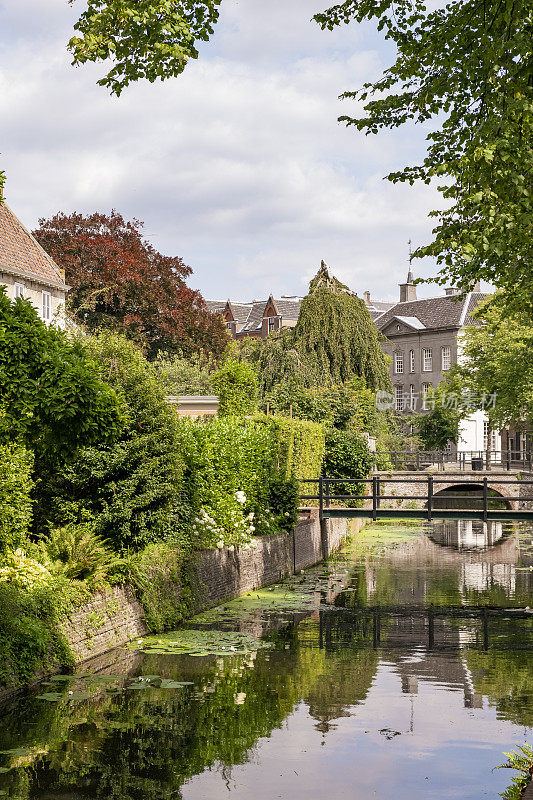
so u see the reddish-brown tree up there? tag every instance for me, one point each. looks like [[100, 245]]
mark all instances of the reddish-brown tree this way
[[120, 282]]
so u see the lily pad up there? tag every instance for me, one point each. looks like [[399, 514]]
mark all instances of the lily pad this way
[[51, 697], [202, 643]]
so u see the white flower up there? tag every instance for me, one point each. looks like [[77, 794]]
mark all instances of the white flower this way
[[240, 497], [231, 548], [220, 545]]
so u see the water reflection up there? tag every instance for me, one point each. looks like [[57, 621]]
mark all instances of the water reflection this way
[[467, 534], [409, 682]]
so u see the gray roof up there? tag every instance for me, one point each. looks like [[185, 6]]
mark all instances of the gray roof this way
[[215, 306], [289, 309], [414, 322], [254, 322], [380, 305], [448, 311]]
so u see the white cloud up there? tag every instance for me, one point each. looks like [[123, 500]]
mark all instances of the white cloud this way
[[239, 165]]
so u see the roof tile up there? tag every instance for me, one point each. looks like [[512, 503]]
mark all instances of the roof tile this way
[[21, 253]]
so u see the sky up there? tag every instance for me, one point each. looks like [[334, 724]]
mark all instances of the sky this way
[[239, 165]]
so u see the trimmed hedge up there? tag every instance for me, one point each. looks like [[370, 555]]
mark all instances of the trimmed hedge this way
[[300, 445], [16, 465]]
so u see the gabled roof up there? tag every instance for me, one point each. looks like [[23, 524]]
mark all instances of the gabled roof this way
[[215, 306], [22, 255], [289, 308], [254, 321], [448, 311]]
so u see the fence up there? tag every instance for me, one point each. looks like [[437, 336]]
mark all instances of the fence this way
[[485, 505], [406, 460]]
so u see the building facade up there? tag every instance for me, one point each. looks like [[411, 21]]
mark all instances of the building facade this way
[[423, 340], [28, 272]]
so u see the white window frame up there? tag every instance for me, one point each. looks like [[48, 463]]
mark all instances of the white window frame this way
[[271, 324], [425, 390], [46, 306], [399, 398], [446, 358], [20, 290], [398, 363], [427, 359], [411, 361], [412, 397]]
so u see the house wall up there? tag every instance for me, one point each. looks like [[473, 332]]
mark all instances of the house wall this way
[[33, 292], [402, 339]]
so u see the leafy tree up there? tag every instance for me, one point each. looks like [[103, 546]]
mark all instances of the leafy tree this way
[[235, 382], [333, 342], [181, 375], [16, 465], [442, 423], [498, 362], [51, 395], [132, 487], [465, 70], [152, 39], [121, 283]]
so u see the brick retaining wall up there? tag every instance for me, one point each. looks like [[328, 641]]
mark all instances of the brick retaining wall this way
[[112, 619]]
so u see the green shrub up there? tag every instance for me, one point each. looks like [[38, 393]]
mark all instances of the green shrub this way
[[164, 586], [300, 445], [31, 642], [131, 488], [235, 383], [188, 376], [50, 389], [347, 456], [284, 499], [15, 503]]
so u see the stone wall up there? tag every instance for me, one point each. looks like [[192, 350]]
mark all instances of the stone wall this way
[[110, 620]]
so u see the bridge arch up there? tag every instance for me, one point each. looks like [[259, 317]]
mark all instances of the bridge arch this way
[[471, 492]]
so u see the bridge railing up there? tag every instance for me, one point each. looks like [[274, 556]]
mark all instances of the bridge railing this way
[[415, 460], [427, 491]]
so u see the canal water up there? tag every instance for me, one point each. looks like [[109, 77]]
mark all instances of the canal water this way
[[400, 669]]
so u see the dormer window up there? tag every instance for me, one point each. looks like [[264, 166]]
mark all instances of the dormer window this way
[[271, 324]]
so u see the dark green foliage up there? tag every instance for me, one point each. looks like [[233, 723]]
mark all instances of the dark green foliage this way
[[347, 456], [284, 499], [51, 392], [30, 639], [235, 383], [16, 465], [131, 488]]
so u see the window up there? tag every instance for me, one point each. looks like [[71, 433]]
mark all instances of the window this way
[[427, 359], [19, 290], [425, 389], [398, 363], [47, 306], [411, 360], [446, 355], [271, 324], [228, 326], [412, 398], [399, 399]]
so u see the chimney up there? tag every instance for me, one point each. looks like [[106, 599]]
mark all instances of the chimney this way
[[366, 295], [408, 289]]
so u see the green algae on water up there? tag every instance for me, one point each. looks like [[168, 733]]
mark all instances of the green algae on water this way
[[200, 643]]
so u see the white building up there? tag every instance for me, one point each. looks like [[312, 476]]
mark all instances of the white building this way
[[27, 271]]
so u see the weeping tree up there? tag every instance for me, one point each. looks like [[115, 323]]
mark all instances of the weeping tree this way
[[333, 342]]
